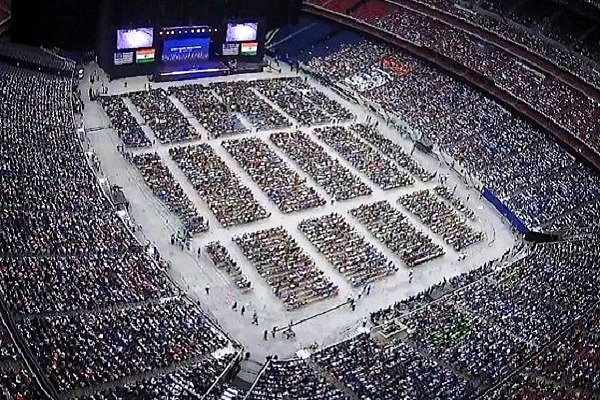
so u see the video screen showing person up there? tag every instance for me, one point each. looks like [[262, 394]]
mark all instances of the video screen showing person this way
[[185, 50], [245, 32], [134, 38]]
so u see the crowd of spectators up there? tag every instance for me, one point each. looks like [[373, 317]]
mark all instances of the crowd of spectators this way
[[381, 170], [573, 360], [17, 382], [505, 69], [164, 186], [291, 273], [91, 303], [231, 201], [189, 382], [8, 351], [363, 55], [239, 97], [123, 122], [49, 284], [302, 102], [288, 190], [525, 385], [393, 150], [338, 181], [163, 117], [355, 258], [375, 371], [221, 259], [212, 114], [293, 379], [397, 233], [505, 153], [445, 193], [584, 216], [540, 204], [82, 350], [441, 218], [481, 328]]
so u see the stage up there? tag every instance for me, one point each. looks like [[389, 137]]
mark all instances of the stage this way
[[204, 69]]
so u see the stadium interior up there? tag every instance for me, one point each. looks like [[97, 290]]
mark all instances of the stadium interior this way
[[308, 200]]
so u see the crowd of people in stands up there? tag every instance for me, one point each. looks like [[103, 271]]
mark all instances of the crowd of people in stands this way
[[273, 252], [187, 382], [347, 250], [231, 202], [294, 379], [505, 69], [212, 114], [441, 218], [163, 333], [288, 190], [91, 303], [164, 186], [397, 233], [123, 122], [302, 102], [240, 97], [162, 116], [536, 315], [374, 371], [220, 257], [378, 168], [338, 181], [504, 153]]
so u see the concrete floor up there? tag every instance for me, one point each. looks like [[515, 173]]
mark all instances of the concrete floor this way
[[193, 273]]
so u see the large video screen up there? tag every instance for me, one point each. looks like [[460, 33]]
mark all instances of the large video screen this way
[[135, 38], [245, 32], [187, 49]]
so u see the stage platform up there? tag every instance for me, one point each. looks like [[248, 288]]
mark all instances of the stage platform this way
[[168, 73]]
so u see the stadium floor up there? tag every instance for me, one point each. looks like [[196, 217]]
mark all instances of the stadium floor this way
[[193, 273]]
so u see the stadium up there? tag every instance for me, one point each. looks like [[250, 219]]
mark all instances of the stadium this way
[[324, 200]]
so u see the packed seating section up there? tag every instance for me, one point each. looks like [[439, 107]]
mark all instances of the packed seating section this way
[[231, 202], [79, 286], [294, 379], [505, 69], [288, 190], [221, 259], [291, 273], [339, 182], [214, 116], [164, 186], [379, 169], [397, 233], [239, 97], [349, 252], [136, 340], [162, 116], [123, 122], [301, 101], [441, 219], [524, 168], [190, 382], [532, 320]]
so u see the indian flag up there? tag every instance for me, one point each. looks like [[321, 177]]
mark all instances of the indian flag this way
[[144, 56]]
